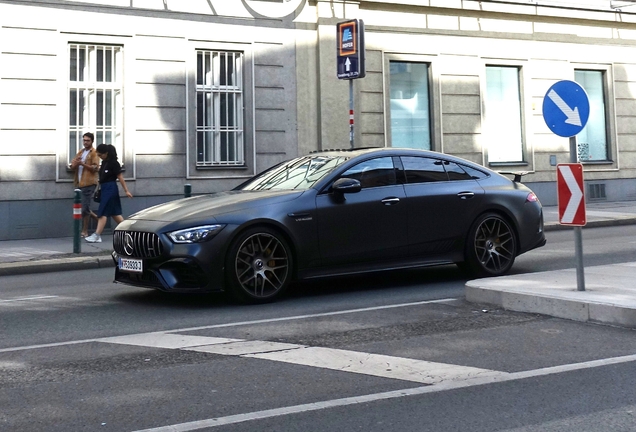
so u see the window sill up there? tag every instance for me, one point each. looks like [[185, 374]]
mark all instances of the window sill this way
[[507, 164]]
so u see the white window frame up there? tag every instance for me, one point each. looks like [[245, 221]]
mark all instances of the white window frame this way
[[86, 88], [220, 134]]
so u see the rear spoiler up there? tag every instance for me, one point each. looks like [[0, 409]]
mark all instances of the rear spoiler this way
[[517, 174]]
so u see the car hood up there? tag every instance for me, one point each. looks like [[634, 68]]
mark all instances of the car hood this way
[[207, 206]]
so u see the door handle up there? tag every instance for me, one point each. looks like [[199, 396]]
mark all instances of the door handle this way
[[390, 201], [465, 195]]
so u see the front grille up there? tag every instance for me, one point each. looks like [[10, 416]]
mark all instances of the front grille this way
[[144, 244]]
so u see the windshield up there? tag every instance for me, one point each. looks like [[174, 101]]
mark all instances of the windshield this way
[[298, 174]]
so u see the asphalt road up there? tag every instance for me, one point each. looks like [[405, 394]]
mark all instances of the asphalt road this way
[[391, 352]]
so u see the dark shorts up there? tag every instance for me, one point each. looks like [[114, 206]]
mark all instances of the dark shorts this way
[[87, 199]]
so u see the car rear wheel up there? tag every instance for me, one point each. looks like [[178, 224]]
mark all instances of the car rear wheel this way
[[259, 265], [491, 248]]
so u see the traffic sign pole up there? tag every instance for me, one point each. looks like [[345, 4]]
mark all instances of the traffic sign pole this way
[[351, 136], [578, 231], [566, 109]]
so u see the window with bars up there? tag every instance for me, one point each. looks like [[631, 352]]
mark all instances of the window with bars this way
[[220, 138], [95, 96]]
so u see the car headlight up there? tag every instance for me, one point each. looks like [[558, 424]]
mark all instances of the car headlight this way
[[196, 234]]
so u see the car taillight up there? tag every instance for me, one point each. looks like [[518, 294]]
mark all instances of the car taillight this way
[[532, 197]]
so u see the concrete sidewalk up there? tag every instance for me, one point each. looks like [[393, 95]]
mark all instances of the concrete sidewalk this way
[[610, 295]]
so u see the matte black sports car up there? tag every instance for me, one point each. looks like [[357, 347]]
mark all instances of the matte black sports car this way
[[332, 213]]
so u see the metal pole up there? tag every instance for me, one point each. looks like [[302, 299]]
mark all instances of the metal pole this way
[[578, 236], [351, 113], [187, 190], [77, 221]]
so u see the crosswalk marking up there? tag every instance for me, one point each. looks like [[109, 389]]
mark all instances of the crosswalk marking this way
[[166, 340], [399, 368]]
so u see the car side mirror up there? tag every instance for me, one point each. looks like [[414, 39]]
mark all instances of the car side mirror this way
[[346, 185]]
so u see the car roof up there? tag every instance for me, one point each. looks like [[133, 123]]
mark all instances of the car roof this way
[[394, 151]]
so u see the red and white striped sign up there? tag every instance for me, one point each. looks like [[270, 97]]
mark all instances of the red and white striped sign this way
[[571, 194]]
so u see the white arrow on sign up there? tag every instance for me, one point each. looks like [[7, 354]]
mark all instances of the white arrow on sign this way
[[575, 199], [572, 115], [347, 64]]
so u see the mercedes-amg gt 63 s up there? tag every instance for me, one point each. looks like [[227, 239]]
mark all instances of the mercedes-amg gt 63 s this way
[[332, 213]]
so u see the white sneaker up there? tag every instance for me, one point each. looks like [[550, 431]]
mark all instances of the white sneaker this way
[[94, 238]]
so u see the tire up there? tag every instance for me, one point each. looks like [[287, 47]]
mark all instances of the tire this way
[[491, 247], [259, 266]]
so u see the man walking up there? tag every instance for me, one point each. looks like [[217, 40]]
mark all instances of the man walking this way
[[86, 166]]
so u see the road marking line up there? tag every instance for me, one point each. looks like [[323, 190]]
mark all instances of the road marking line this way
[[35, 297], [245, 348], [166, 340], [335, 403], [385, 366], [240, 323]]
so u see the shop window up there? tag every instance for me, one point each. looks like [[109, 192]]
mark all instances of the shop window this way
[[410, 107], [592, 140], [504, 137]]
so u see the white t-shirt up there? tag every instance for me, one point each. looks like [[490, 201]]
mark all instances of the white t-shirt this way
[[81, 167]]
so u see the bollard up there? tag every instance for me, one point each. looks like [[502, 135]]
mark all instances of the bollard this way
[[77, 221], [187, 190]]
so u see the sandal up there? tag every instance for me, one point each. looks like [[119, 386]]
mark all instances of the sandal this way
[[84, 235]]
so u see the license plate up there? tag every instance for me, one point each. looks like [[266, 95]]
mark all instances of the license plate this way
[[131, 265]]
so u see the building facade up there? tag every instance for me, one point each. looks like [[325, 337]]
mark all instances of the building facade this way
[[210, 92]]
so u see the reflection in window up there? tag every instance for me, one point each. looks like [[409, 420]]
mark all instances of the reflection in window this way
[[373, 173], [410, 114], [423, 170], [298, 174], [503, 114], [592, 140]]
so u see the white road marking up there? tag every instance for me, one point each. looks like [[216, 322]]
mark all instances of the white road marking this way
[[28, 298], [399, 368], [385, 366], [240, 323], [166, 340], [334, 403]]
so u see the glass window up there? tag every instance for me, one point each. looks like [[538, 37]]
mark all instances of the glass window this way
[[220, 140], [456, 171], [298, 174], [410, 113], [423, 170], [95, 96], [503, 114], [592, 140], [373, 173]]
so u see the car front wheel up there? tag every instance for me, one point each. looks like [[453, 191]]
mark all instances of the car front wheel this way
[[259, 265], [491, 247]]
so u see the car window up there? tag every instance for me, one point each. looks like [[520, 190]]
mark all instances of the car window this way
[[474, 173], [298, 174], [456, 171], [373, 172], [423, 169]]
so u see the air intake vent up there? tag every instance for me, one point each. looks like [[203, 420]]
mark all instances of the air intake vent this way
[[596, 191], [137, 244]]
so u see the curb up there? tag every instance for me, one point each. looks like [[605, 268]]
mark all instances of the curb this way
[[555, 226], [56, 264], [555, 306]]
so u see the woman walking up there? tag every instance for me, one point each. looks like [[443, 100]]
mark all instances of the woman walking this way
[[110, 205]]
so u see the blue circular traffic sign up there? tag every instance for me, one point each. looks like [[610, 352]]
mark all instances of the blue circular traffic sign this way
[[566, 108]]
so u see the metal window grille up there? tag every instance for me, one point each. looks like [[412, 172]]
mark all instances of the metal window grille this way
[[95, 96], [220, 139]]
